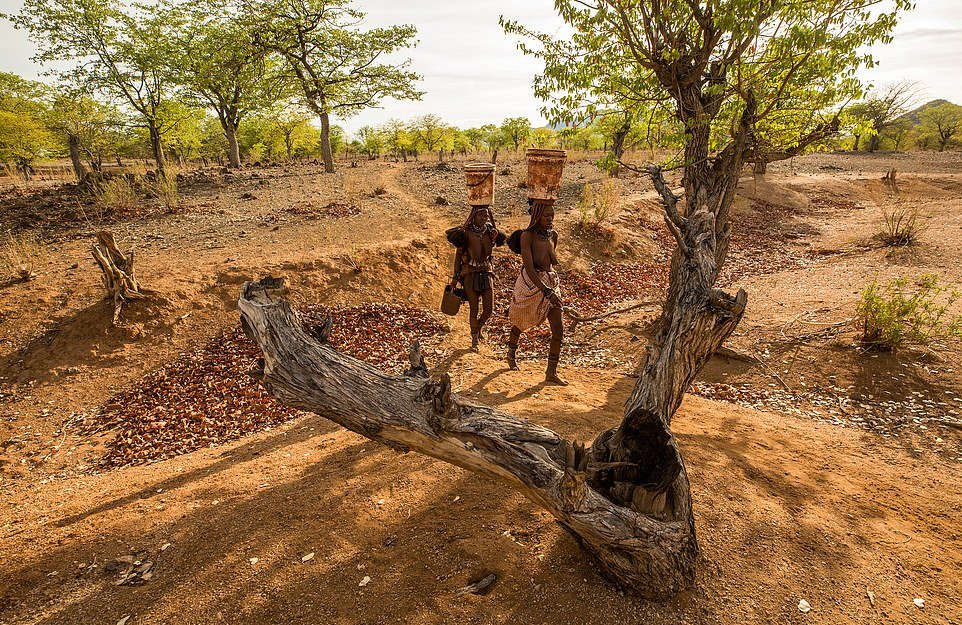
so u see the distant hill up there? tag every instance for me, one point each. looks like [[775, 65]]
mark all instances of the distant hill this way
[[913, 117]]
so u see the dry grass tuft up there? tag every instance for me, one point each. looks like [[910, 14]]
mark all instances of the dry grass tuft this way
[[115, 195], [20, 254], [902, 225]]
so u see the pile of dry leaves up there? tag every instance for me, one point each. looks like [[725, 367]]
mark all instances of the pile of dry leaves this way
[[333, 210], [207, 396]]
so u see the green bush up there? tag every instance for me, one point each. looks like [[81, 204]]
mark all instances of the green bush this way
[[902, 312]]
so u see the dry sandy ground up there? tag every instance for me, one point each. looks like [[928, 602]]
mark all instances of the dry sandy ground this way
[[791, 503]]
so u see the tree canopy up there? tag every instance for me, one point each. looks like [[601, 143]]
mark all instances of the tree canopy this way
[[337, 67]]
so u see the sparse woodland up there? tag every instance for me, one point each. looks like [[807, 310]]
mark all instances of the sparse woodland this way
[[758, 263]]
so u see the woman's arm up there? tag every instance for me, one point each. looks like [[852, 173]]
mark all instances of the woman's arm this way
[[527, 257], [457, 267]]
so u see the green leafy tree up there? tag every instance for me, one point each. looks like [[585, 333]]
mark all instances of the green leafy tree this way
[[23, 139], [92, 130], [118, 49], [476, 137], [748, 81], [458, 141], [371, 141], [884, 106], [220, 65], [24, 110], [337, 68], [516, 130], [429, 133], [544, 138], [397, 138], [944, 122], [182, 126], [494, 140]]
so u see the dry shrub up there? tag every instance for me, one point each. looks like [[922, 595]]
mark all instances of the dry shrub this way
[[902, 225], [165, 187], [115, 194], [20, 254], [598, 200]]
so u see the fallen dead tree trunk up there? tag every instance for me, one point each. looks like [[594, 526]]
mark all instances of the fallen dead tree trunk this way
[[119, 277], [652, 554]]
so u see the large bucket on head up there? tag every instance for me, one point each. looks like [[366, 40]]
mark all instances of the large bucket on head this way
[[480, 180], [544, 173]]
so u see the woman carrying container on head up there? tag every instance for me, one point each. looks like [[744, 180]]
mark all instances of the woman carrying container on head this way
[[476, 240], [537, 293]]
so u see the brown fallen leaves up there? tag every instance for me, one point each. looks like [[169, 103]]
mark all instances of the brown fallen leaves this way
[[207, 396], [331, 209]]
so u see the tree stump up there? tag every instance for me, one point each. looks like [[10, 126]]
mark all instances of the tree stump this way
[[118, 276]]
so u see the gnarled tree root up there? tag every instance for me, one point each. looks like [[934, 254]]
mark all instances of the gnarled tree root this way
[[652, 554], [118, 276]]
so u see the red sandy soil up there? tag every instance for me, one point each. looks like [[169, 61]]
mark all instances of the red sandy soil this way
[[845, 482]]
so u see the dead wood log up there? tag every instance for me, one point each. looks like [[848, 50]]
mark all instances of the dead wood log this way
[[118, 275], [652, 554]]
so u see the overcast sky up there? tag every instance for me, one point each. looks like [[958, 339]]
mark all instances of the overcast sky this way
[[473, 73]]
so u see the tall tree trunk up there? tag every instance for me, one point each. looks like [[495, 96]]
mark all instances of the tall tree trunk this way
[[233, 148], [157, 146], [618, 146], [760, 167], [73, 142], [855, 144], [326, 152]]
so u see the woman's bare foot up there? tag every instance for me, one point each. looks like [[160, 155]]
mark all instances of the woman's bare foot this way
[[554, 379]]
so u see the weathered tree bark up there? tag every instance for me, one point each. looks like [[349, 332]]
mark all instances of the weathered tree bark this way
[[326, 153], [233, 148], [118, 277], [651, 554], [618, 145], [157, 146], [73, 143]]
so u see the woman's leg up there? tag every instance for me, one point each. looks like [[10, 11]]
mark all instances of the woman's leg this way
[[513, 339], [487, 305], [473, 301], [556, 323]]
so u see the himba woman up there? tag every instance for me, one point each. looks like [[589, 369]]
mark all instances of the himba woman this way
[[475, 240], [537, 294]]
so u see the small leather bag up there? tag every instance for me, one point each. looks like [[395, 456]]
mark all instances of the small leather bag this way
[[450, 301]]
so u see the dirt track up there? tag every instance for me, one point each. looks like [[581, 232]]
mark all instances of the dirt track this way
[[788, 506]]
